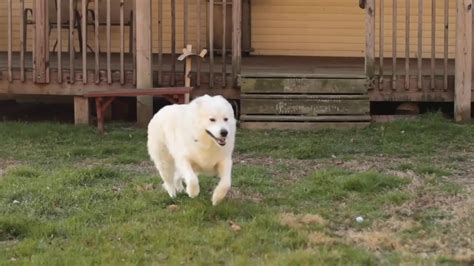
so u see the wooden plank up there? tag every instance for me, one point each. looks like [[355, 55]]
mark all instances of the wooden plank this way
[[97, 42], [370, 39], [304, 96], [433, 42], [139, 92], [22, 40], [463, 65], [10, 40], [134, 43], [302, 125], [72, 80], [65, 89], [198, 40], [265, 74], [122, 43], [312, 107], [446, 40], [173, 42], [81, 111], [426, 83], [297, 85], [224, 48], [381, 40], [236, 40], [407, 44], [60, 39], [41, 41], [185, 22], [394, 44], [211, 42], [160, 42], [109, 44], [420, 44], [84, 41], [291, 118], [144, 61], [185, 28]]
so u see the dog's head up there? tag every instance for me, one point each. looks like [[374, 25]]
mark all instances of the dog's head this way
[[215, 118]]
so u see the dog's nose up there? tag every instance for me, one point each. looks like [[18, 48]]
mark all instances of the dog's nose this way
[[224, 133]]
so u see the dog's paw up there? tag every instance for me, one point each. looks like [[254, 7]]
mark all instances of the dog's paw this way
[[178, 184], [219, 194], [192, 190], [170, 189]]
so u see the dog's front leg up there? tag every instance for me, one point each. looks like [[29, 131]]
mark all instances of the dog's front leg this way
[[224, 170], [191, 179]]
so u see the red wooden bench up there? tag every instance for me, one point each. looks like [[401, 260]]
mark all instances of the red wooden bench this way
[[103, 99]]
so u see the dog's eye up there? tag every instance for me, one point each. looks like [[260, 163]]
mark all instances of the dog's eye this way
[[225, 119], [212, 119]]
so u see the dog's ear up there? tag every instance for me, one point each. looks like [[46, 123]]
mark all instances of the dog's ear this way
[[200, 100]]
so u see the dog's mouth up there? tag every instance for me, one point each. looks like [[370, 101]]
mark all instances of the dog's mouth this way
[[220, 141]]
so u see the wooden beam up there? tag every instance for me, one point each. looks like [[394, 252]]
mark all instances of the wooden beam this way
[[41, 41], [71, 42], [144, 60], [60, 41], [237, 40], [211, 42], [370, 38], [420, 45], [394, 44], [81, 110], [463, 65], [84, 41], [10, 39]]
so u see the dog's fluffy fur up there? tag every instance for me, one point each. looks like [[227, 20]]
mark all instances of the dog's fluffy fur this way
[[191, 139]]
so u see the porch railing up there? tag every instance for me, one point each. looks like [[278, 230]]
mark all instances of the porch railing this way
[[91, 57], [447, 71], [431, 67]]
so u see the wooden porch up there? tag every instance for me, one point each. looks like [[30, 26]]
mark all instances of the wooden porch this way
[[252, 66], [403, 75]]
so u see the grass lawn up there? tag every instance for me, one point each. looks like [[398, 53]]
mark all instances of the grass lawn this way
[[69, 196]]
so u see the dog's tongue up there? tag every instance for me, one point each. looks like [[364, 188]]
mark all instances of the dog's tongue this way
[[221, 141]]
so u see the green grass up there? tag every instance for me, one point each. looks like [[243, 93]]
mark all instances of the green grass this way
[[70, 196]]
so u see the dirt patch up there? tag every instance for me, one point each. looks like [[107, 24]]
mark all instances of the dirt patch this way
[[5, 164], [319, 238], [375, 240], [297, 221], [236, 193]]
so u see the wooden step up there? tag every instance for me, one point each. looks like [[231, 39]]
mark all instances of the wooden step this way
[[296, 85], [304, 103], [309, 105], [291, 118], [302, 125]]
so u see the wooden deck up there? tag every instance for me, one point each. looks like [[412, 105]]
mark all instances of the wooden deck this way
[[252, 66]]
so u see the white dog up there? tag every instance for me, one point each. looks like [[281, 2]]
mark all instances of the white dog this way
[[191, 139]]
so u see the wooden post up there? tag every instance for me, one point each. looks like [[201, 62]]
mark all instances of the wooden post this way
[[144, 60], [81, 110], [237, 39], [41, 41], [10, 38], [84, 41], [370, 39], [463, 67], [187, 71]]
